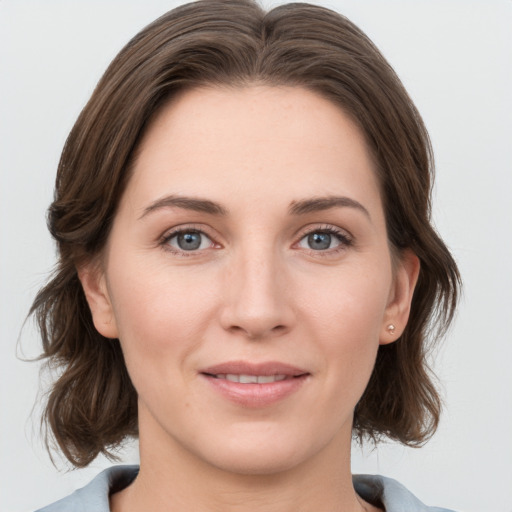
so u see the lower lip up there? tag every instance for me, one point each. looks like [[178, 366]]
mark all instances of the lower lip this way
[[256, 395]]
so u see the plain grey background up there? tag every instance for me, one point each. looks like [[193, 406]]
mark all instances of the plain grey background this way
[[454, 57]]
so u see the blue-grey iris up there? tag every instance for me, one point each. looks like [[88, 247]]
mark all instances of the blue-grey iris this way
[[189, 241], [319, 241]]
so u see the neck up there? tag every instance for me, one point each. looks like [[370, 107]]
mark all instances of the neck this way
[[175, 479]]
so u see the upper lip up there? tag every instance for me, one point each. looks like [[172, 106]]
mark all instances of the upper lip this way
[[248, 368]]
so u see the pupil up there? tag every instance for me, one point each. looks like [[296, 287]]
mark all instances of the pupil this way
[[319, 241], [189, 241]]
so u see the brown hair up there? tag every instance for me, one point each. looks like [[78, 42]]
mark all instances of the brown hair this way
[[92, 406]]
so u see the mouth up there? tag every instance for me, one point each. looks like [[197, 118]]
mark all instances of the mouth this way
[[246, 372], [255, 385], [251, 379]]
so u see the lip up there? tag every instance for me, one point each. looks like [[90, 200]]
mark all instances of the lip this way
[[248, 368], [255, 395]]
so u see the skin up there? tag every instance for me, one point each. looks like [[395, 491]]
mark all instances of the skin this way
[[255, 290]]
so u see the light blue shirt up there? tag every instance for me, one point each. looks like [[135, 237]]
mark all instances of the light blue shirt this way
[[94, 497]]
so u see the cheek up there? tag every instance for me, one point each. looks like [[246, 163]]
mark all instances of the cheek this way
[[159, 309], [161, 318], [345, 317], [350, 301]]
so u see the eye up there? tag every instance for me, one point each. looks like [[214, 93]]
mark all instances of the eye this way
[[324, 239], [188, 240]]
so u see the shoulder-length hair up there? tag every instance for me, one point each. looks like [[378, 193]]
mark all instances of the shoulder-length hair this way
[[92, 405]]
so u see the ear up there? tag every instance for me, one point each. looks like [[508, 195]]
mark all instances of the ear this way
[[96, 292], [399, 305]]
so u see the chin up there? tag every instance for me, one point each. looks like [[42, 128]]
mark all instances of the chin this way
[[257, 463], [267, 454]]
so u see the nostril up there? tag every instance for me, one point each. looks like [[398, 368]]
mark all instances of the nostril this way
[[254, 332]]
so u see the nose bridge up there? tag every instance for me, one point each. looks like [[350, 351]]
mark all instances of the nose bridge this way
[[256, 303]]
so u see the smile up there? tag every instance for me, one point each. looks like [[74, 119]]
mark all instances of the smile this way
[[254, 385], [251, 379]]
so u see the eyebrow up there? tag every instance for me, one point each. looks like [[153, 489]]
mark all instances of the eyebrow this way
[[187, 203], [318, 204], [302, 207]]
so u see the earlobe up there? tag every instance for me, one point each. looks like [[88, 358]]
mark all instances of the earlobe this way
[[399, 306], [96, 292]]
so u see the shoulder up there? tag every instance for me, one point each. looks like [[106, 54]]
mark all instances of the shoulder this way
[[390, 494], [94, 497]]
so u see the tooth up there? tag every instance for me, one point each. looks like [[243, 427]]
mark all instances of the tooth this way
[[248, 379], [265, 379]]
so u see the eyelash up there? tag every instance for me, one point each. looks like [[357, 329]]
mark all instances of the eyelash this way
[[345, 240], [164, 242]]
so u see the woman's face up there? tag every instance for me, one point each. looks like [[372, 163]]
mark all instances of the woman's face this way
[[249, 279]]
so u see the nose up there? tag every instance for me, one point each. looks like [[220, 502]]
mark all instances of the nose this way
[[257, 304]]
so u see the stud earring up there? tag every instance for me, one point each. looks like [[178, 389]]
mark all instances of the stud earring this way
[[391, 329]]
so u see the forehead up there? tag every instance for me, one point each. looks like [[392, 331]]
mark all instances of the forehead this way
[[280, 141]]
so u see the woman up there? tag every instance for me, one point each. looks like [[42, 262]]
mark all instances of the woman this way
[[247, 271]]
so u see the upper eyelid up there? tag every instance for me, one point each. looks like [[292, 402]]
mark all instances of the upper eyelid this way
[[323, 227], [183, 228], [172, 234]]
